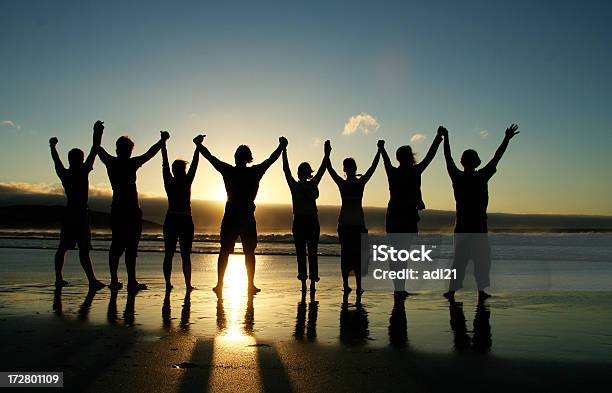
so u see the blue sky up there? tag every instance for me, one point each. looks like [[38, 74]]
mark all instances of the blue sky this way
[[248, 73]]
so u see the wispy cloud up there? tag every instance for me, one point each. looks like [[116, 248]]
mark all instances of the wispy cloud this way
[[362, 122], [10, 124], [484, 134], [417, 137]]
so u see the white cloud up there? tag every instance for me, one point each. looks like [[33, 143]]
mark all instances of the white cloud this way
[[10, 124], [484, 134], [417, 137], [361, 122]]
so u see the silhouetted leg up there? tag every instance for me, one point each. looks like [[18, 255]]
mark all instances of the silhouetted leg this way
[[313, 260], [186, 256], [186, 242], [300, 252], [170, 239], [249, 260], [358, 282], [85, 260], [130, 265], [481, 254], [345, 283], [462, 256], [221, 267], [60, 255], [169, 254], [113, 264]]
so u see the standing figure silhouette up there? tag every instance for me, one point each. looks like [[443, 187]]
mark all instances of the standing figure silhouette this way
[[75, 223], [126, 216], [471, 191], [351, 222], [406, 198], [241, 184], [178, 224], [306, 229]]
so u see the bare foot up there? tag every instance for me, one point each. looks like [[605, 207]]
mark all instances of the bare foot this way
[[61, 283], [169, 287], [218, 290], [482, 296], [115, 285], [253, 290], [450, 295], [96, 285], [136, 286]]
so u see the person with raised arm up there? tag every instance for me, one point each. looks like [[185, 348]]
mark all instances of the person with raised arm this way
[[351, 222], [306, 228], [126, 216], [75, 230], [470, 187], [241, 184], [178, 224]]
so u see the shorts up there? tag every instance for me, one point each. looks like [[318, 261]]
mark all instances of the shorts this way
[[400, 220], [126, 227], [178, 227], [350, 247], [75, 230], [234, 226]]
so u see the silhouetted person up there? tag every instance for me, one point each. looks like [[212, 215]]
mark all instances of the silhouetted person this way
[[470, 187], [406, 198], [306, 228], [351, 222], [398, 323], [178, 225], [241, 184], [75, 230], [126, 216]]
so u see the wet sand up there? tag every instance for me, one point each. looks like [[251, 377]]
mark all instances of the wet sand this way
[[277, 341]]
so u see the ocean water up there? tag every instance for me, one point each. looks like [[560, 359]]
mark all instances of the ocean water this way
[[567, 316]]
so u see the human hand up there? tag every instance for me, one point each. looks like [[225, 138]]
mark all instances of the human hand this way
[[199, 139], [53, 141], [164, 135], [98, 127], [381, 144], [512, 131], [283, 142], [327, 147], [442, 132]]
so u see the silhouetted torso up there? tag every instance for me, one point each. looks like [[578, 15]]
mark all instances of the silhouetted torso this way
[[351, 192], [241, 185], [405, 187], [122, 175], [472, 198], [179, 194], [304, 195], [76, 186]]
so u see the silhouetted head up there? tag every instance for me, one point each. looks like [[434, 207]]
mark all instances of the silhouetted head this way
[[243, 155], [179, 168], [350, 167], [124, 147], [75, 158], [405, 156], [304, 171], [470, 160]]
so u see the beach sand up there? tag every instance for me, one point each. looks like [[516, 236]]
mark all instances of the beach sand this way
[[277, 341]]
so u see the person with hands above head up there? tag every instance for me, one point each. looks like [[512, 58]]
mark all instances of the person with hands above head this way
[[306, 228], [351, 222], [470, 187], [126, 216], [241, 184], [75, 230], [178, 224]]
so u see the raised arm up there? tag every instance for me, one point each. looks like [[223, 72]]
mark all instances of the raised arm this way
[[448, 157], [385, 156], [57, 161], [511, 132], [98, 130], [366, 177], [219, 165], [282, 144], [431, 153], [193, 167], [287, 169], [332, 172], [166, 174], [326, 152], [142, 159]]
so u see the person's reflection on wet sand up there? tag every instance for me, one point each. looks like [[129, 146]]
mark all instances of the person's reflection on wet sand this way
[[111, 313], [221, 319], [482, 339], [166, 312], [302, 324], [129, 314], [186, 312], [83, 313], [461, 339], [249, 317], [58, 307], [354, 325], [398, 323]]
